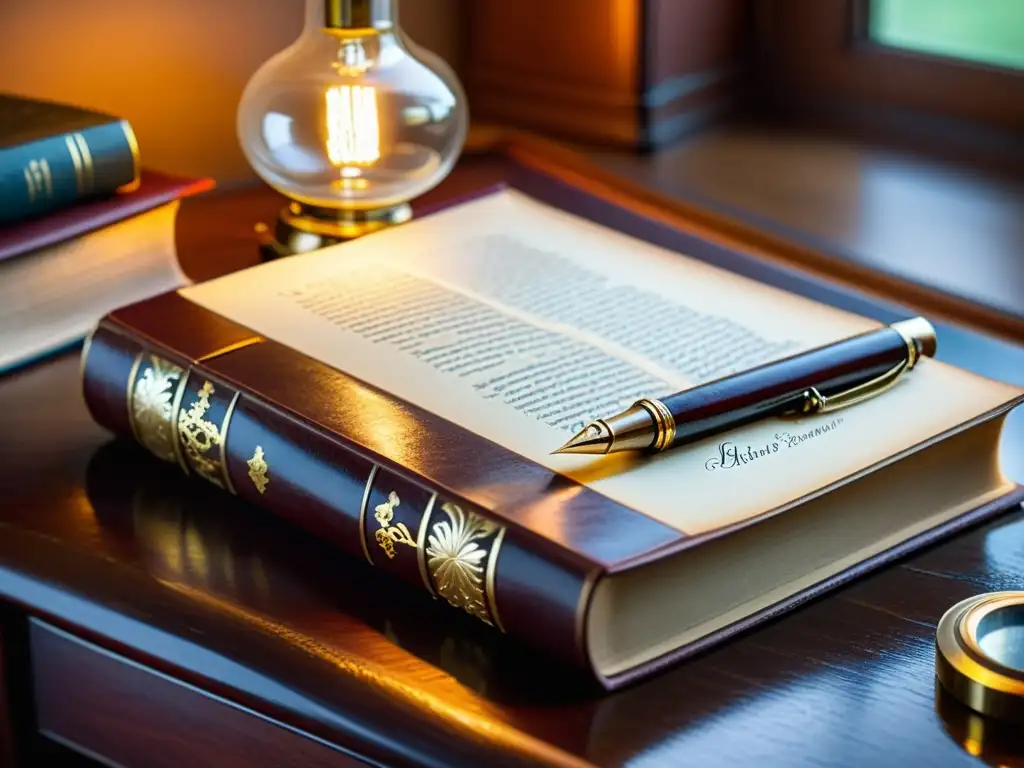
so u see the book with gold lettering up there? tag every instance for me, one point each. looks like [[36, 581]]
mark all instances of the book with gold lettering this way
[[401, 395], [54, 155]]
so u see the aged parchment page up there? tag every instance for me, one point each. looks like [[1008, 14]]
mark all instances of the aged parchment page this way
[[521, 323]]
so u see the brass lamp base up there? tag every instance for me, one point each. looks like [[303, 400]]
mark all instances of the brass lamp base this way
[[303, 228]]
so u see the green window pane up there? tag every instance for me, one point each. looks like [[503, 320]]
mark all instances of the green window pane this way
[[988, 31]]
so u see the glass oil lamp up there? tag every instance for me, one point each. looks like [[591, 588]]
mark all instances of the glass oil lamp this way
[[350, 123]]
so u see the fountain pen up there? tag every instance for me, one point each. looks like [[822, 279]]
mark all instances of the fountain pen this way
[[820, 380]]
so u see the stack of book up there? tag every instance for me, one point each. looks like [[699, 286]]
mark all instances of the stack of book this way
[[83, 228]]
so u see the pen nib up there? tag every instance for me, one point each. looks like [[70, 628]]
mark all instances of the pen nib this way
[[595, 438]]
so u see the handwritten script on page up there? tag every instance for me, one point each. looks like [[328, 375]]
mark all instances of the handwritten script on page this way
[[522, 323]]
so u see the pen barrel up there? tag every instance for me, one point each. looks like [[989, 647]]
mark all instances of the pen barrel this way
[[772, 389]]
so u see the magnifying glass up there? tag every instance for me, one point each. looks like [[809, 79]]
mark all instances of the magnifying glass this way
[[980, 654]]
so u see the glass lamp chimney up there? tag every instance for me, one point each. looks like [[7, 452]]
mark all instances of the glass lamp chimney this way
[[350, 122]]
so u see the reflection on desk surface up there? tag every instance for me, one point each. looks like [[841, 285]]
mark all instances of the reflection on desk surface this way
[[997, 743], [847, 679]]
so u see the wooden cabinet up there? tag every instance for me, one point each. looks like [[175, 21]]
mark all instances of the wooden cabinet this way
[[123, 713], [630, 73]]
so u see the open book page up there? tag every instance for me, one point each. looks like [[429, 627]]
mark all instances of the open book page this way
[[522, 323]]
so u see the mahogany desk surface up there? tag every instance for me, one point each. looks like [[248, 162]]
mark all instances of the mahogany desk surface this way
[[149, 620]]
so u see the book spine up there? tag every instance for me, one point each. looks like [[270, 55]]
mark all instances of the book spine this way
[[58, 171], [182, 412]]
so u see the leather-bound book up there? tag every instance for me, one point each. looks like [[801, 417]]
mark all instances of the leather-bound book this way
[[54, 155], [401, 396]]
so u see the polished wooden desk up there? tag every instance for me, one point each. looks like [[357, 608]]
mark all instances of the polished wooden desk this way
[[150, 620]]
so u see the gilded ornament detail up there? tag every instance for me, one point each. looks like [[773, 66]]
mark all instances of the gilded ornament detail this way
[[456, 559], [388, 535], [198, 436], [151, 404], [258, 470]]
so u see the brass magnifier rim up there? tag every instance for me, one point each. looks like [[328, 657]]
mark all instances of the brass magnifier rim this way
[[979, 681]]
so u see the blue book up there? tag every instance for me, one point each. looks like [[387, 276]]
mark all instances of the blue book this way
[[55, 155]]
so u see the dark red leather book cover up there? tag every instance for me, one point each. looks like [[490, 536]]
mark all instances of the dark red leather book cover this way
[[154, 189], [424, 500]]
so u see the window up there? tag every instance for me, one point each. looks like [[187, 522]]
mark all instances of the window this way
[[985, 31]]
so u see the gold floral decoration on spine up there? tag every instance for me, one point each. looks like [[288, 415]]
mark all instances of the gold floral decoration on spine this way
[[198, 436], [258, 470], [152, 406], [456, 559], [388, 535]]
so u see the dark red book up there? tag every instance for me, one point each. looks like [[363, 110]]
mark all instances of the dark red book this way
[[400, 397], [61, 272]]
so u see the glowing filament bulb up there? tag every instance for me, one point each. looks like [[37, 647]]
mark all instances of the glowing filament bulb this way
[[353, 128]]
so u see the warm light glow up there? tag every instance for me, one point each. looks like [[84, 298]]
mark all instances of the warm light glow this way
[[975, 736], [353, 128], [197, 554]]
